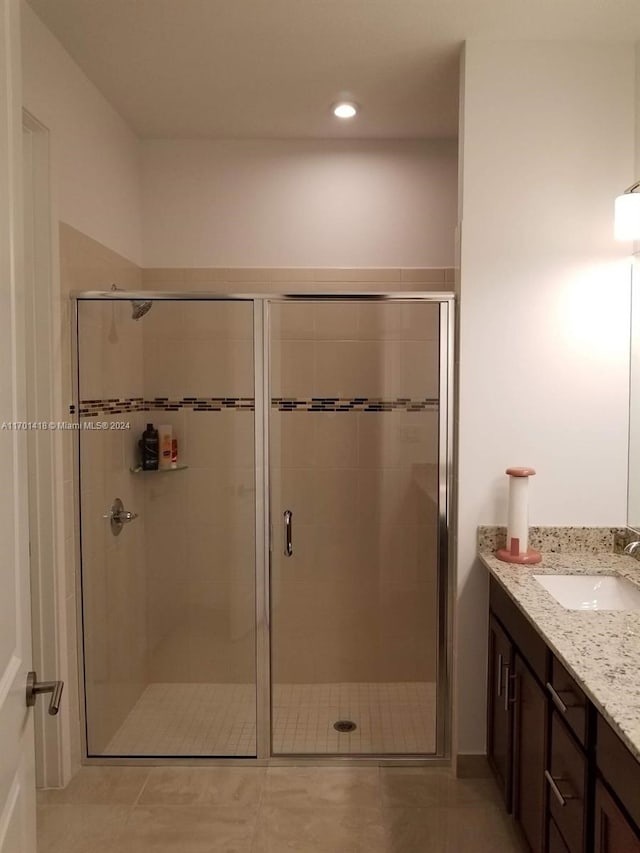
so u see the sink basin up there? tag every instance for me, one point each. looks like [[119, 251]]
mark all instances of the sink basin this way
[[592, 592]]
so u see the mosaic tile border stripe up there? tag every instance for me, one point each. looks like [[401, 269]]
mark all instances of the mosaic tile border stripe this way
[[124, 406], [128, 405], [352, 404]]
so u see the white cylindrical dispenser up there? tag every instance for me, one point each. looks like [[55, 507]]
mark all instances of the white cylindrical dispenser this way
[[517, 549]]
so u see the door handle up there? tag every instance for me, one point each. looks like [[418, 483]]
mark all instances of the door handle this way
[[34, 687], [288, 545]]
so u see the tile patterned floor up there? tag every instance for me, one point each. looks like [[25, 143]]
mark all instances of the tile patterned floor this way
[[219, 719], [275, 810]]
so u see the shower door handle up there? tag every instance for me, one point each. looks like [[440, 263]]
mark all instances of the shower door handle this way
[[288, 545]]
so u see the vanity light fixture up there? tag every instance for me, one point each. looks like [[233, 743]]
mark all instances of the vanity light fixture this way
[[345, 109], [627, 214]]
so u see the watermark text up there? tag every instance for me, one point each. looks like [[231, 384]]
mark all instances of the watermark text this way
[[53, 426]]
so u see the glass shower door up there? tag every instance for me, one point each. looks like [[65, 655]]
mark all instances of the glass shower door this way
[[355, 583], [168, 594]]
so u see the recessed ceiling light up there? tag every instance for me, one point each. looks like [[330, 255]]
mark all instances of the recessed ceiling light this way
[[345, 109]]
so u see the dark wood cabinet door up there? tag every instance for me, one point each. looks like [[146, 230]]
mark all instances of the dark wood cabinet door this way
[[556, 842], [613, 832], [529, 750], [499, 710]]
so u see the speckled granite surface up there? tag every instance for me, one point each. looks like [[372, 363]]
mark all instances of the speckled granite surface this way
[[600, 648], [553, 540]]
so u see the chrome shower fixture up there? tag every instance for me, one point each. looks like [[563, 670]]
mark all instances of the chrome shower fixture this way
[[139, 307]]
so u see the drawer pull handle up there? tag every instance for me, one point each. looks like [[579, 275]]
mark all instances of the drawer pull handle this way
[[557, 701], [553, 784], [570, 701], [508, 700], [500, 665]]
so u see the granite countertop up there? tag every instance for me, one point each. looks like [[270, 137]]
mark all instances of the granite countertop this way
[[601, 649]]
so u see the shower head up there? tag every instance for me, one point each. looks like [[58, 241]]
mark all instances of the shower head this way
[[139, 307]]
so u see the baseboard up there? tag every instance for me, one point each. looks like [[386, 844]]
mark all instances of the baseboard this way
[[471, 766]]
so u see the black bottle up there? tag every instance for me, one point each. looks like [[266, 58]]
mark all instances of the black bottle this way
[[149, 445]]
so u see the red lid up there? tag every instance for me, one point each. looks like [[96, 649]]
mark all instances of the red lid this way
[[520, 472]]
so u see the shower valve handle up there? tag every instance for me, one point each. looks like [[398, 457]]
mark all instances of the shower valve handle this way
[[126, 516], [119, 516], [123, 516]]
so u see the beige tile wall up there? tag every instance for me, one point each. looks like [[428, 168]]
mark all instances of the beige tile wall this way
[[116, 675], [113, 567], [299, 280], [201, 522], [357, 601]]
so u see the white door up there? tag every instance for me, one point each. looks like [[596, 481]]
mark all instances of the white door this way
[[17, 777]]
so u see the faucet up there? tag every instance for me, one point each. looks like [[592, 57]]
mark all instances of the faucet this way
[[632, 547]]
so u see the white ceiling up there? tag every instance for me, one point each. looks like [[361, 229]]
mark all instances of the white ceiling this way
[[272, 68]]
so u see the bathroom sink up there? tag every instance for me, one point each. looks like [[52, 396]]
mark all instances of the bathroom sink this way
[[592, 592]]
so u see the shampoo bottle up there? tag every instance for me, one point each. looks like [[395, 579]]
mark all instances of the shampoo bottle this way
[[149, 449]]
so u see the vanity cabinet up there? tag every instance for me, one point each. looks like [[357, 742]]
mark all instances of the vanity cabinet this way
[[569, 781], [617, 807], [556, 841], [529, 748], [500, 715], [517, 713], [569, 700], [613, 832]]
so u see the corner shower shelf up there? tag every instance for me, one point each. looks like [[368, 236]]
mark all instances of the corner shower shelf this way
[[140, 470]]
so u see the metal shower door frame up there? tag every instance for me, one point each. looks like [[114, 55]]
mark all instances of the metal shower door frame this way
[[262, 395], [446, 302]]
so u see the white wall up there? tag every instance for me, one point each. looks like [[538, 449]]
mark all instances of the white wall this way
[[261, 203], [547, 142], [95, 167]]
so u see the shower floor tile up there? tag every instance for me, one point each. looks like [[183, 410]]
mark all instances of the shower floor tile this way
[[189, 719], [219, 719], [392, 717]]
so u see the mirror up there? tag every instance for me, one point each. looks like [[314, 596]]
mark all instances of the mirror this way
[[633, 496]]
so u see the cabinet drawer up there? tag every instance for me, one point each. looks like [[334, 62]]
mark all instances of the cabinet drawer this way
[[521, 631], [566, 781], [556, 842], [569, 700], [619, 768]]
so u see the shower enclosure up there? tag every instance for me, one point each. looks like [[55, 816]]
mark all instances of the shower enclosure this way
[[283, 590]]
